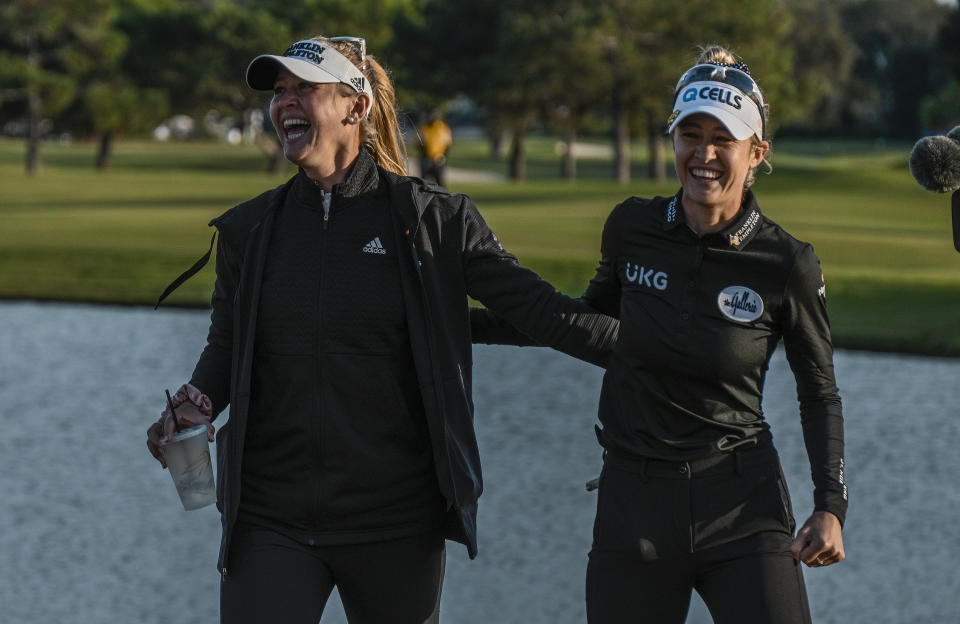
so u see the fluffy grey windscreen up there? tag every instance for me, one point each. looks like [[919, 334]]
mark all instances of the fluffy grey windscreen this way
[[935, 162]]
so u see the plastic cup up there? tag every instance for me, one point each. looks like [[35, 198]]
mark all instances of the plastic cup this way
[[188, 460]]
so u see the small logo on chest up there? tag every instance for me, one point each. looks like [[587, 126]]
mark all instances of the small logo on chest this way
[[374, 247], [642, 276], [739, 303]]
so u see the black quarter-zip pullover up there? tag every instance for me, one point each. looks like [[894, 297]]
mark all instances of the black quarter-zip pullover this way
[[700, 319], [337, 448]]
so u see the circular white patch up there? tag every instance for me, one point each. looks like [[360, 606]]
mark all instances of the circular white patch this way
[[739, 303]]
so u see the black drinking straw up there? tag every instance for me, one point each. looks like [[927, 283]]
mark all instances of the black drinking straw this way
[[176, 423]]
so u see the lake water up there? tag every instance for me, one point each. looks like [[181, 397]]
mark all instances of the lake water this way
[[91, 529]]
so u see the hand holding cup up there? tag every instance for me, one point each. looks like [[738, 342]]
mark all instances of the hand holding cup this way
[[192, 408]]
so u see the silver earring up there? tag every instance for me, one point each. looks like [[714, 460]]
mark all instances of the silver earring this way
[[352, 118]]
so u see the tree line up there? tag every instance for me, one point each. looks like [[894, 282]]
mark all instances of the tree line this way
[[106, 68]]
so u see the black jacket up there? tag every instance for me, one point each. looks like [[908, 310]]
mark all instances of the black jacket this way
[[701, 318], [450, 254]]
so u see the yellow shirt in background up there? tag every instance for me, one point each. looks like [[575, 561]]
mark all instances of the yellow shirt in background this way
[[437, 138]]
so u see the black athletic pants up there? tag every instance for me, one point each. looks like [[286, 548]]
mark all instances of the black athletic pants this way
[[276, 579], [721, 526]]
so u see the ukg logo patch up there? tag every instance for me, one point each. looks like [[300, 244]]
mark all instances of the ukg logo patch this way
[[740, 304], [636, 274]]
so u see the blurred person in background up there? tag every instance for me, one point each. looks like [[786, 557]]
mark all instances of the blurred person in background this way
[[435, 142], [340, 339], [692, 495]]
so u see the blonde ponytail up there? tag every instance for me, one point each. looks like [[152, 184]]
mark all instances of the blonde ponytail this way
[[715, 54], [380, 130]]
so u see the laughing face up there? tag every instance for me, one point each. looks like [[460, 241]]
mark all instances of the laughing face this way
[[712, 165], [312, 122]]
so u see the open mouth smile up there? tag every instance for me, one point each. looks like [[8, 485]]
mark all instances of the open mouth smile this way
[[705, 174], [295, 128]]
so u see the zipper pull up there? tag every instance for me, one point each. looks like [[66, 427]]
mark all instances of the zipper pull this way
[[326, 207]]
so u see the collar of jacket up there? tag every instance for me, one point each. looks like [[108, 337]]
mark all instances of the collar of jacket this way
[[736, 235], [362, 179], [406, 202], [409, 197], [409, 200]]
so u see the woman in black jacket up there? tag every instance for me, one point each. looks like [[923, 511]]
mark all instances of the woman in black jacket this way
[[340, 338], [691, 496]]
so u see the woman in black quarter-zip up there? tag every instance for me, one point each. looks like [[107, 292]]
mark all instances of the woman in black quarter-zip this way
[[691, 496], [340, 339]]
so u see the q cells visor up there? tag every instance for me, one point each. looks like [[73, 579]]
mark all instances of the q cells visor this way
[[311, 61], [722, 92]]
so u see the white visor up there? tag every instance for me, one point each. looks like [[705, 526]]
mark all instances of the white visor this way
[[311, 61], [725, 102]]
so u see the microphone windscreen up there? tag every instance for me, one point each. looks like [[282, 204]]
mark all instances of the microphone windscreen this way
[[935, 162]]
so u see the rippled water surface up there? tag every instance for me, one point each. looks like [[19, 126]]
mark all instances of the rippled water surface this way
[[91, 530]]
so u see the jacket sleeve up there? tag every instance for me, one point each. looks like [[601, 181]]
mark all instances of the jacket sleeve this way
[[809, 350], [488, 328], [603, 291], [524, 300], [212, 372]]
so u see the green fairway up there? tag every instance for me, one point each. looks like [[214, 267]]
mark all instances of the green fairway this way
[[893, 277]]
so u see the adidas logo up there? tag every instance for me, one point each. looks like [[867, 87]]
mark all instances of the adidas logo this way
[[374, 247]]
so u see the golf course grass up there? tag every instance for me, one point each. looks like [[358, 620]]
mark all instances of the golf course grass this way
[[121, 235]]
